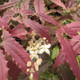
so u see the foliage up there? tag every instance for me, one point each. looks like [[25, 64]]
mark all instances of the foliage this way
[[47, 75], [20, 12], [55, 52]]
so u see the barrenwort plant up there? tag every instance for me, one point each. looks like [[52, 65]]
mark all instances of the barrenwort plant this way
[[17, 16]]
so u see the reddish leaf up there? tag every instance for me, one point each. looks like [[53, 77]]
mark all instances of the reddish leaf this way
[[23, 12], [25, 4], [72, 29], [75, 17], [48, 19], [26, 12], [67, 3], [13, 70], [3, 23], [18, 54], [3, 67], [7, 15], [18, 31], [59, 60], [69, 53], [74, 26], [39, 6], [58, 2], [75, 42], [8, 4], [38, 28], [72, 3], [22, 37]]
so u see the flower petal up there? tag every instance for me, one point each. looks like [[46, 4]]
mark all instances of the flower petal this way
[[41, 51]]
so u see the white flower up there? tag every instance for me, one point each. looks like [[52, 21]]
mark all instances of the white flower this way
[[33, 51], [31, 42], [28, 70], [28, 63], [36, 66], [31, 76], [39, 61], [45, 48], [44, 38], [32, 70], [34, 55]]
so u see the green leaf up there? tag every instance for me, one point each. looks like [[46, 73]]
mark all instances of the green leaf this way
[[55, 52], [78, 33], [1, 2], [47, 75], [78, 59]]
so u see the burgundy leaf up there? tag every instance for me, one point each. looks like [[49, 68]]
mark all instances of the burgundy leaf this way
[[7, 15], [26, 12], [72, 29], [38, 28], [3, 23], [25, 4], [74, 26], [72, 3], [48, 19], [18, 54], [23, 12], [75, 42], [39, 6], [3, 67], [58, 2], [59, 60], [18, 31], [14, 71], [8, 4], [67, 3], [75, 17], [69, 53], [22, 37]]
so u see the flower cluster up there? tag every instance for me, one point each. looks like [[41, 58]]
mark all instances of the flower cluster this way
[[31, 70], [36, 48]]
